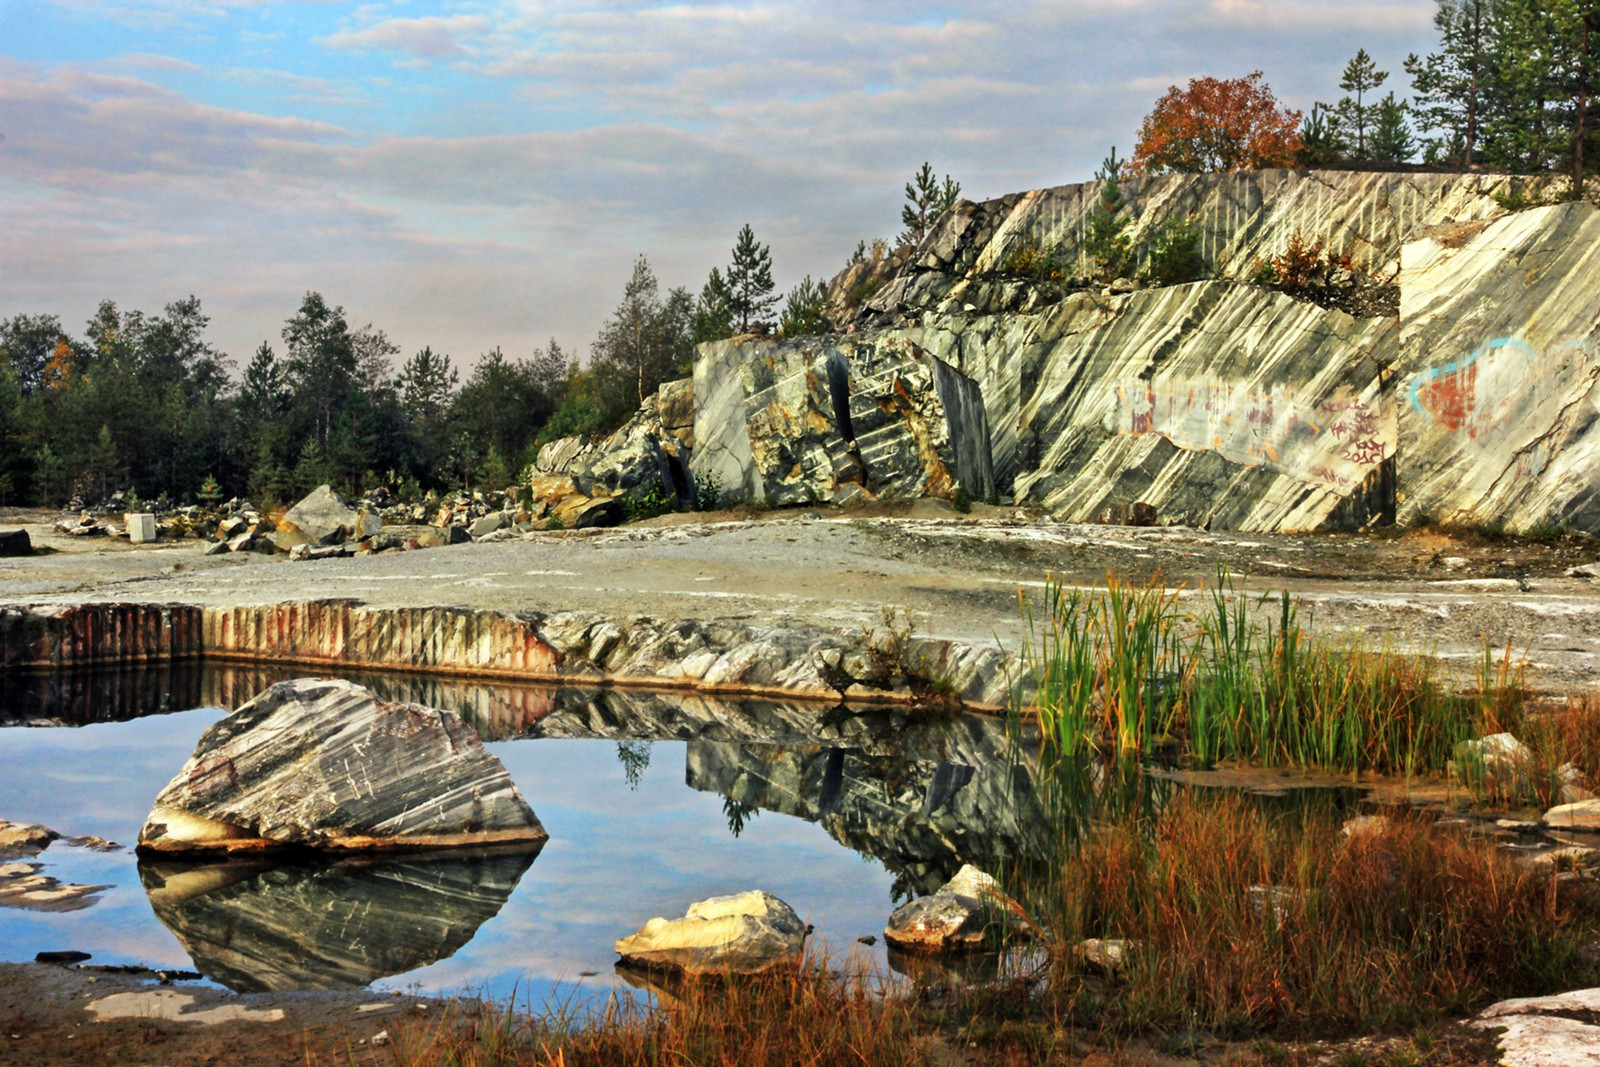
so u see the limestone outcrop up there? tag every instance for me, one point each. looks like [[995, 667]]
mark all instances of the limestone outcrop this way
[[715, 655], [741, 933], [583, 481], [1218, 402], [323, 764]]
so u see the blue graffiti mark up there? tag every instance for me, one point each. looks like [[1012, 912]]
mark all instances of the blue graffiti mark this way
[[1482, 351]]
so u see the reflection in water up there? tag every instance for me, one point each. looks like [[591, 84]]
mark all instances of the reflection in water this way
[[918, 795], [635, 758], [259, 925]]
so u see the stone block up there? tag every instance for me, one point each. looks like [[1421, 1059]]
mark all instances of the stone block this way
[[141, 527]]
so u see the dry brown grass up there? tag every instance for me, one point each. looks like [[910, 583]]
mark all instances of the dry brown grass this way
[[810, 1015], [1395, 926]]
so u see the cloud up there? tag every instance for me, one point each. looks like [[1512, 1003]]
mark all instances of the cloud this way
[[434, 38], [483, 172]]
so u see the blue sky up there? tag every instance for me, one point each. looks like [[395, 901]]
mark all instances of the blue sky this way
[[482, 172]]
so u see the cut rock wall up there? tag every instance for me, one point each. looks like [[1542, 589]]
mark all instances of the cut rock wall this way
[[716, 657], [1215, 403], [1499, 360]]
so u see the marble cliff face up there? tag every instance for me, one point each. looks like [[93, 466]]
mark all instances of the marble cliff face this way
[[1216, 402]]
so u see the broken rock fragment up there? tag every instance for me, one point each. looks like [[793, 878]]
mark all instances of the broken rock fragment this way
[[955, 916], [741, 933], [324, 764]]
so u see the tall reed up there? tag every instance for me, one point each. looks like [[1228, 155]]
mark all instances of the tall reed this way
[[1123, 669]]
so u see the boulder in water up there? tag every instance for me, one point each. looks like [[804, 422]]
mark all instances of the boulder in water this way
[[324, 764]]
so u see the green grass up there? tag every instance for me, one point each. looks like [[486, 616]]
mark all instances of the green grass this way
[[1126, 670]]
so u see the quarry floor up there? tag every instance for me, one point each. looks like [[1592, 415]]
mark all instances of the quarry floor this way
[[1443, 593]]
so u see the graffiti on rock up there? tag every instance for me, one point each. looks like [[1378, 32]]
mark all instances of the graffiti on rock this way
[[1504, 395], [1335, 441]]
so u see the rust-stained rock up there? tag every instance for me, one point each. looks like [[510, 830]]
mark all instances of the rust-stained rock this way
[[956, 917], [324, 764]]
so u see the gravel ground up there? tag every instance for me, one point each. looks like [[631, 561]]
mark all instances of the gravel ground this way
[[958, 576]]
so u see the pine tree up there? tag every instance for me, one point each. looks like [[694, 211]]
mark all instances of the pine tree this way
[[802, 313], [1361, 76], [1391, 136], [1106, 242], [926, 202], [1319, 138], [713, 310], [1450, 86], [749, 278]]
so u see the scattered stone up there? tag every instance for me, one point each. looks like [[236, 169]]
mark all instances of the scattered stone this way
[[1582, 815], [955, 916], [323, 519], [583, 512], [1567, 858], [1498, 764], [1279, 897], [741, 933], [67, 956], [1105, 956], [325, 764], [495, 520], [217, 548], [1364, 824], [92, 843], [24, 839], [176, 1006], [15, 543], [1554, 1031]]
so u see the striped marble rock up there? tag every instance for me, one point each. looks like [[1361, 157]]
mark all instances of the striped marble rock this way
[[323, 764]]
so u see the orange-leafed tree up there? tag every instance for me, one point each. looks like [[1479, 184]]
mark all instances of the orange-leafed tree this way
[[1217, 124]]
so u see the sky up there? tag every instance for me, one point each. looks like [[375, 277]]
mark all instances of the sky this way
[[483, 173]]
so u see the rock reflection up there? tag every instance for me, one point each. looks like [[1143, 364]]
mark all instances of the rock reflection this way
[[265, 926]]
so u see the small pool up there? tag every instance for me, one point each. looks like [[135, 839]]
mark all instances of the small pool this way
[[652, 801]]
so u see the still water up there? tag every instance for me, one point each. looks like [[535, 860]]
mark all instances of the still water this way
[[652, 801]]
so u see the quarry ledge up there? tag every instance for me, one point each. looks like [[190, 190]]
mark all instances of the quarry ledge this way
[[713, 657]]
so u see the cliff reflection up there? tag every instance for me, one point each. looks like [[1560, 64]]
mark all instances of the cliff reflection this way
[[262, 926]]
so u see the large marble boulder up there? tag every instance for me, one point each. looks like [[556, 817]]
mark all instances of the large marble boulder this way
[[960, 915], [323, 519], [324, 764], [741, 933]]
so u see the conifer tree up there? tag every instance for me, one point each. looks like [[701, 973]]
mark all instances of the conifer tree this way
[[1353, 113], [1450, 86], [713, 310], [802, 313], [1391, 135], [926, 202], [749, 279]]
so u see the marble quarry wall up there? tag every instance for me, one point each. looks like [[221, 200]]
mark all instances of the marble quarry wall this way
[[1215, 403]]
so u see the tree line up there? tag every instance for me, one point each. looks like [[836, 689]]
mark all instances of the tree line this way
[[1510, 87], [145, 401]]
